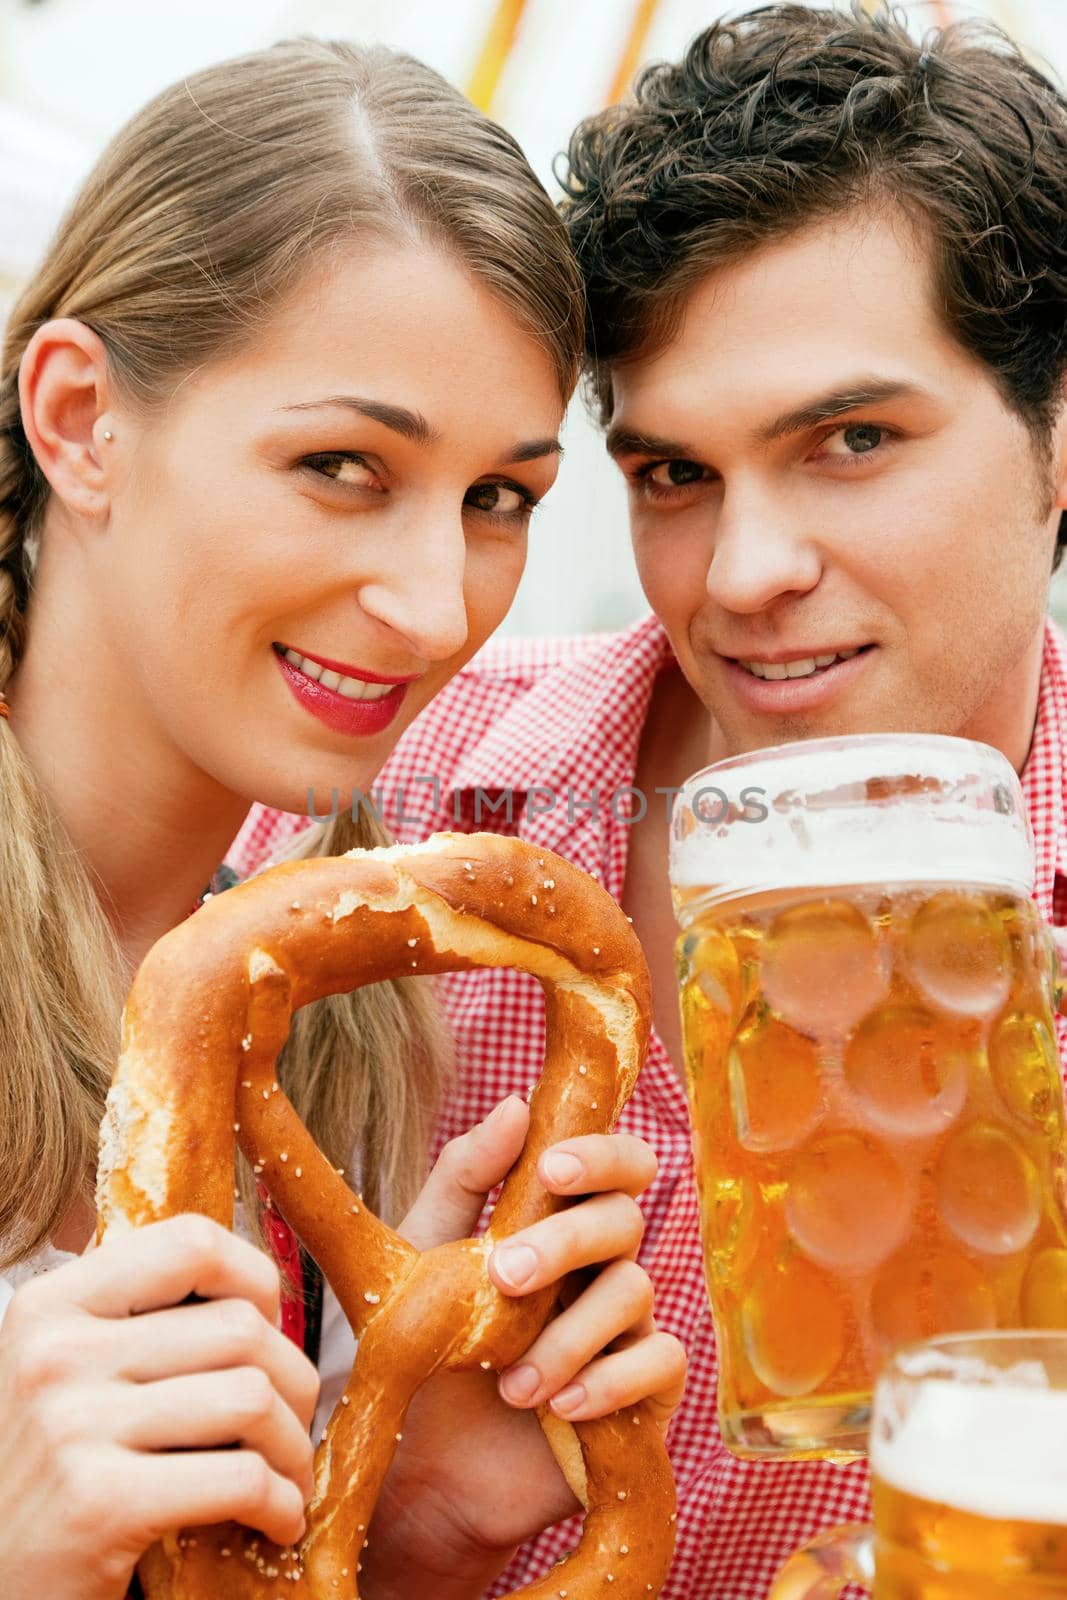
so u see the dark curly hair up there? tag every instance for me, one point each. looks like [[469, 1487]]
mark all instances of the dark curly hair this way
[[787, 115]]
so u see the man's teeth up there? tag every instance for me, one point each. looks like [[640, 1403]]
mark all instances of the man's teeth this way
[[351, 688], [776, 670]]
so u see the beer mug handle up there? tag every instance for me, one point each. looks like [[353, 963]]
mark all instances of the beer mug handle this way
[[822, 1569], [1057, 939]]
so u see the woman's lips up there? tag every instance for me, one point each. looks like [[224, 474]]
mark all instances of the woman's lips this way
[[346, 670], [356, 718]]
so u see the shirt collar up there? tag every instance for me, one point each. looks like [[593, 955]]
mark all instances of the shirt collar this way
[[588, 707], [576, 730]]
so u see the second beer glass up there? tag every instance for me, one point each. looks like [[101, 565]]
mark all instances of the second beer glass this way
[[872, 1069], [968, 1479]]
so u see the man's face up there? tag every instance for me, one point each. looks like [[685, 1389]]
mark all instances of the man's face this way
[[818, 470]]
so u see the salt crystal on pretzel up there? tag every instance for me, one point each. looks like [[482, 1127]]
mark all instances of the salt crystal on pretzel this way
[[208, 1012]]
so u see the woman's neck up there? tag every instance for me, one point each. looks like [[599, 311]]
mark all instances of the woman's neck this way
[[150, 826]]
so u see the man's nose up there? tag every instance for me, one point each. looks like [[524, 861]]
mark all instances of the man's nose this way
[[761, 551]]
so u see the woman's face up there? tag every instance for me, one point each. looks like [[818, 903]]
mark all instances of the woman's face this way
[[352, 490]]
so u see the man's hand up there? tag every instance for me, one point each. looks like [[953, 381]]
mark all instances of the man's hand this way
[[474, 1477]]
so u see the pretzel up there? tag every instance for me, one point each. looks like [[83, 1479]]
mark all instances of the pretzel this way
[[208, 1012]]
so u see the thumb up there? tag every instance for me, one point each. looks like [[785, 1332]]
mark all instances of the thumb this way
[[451, 1200]]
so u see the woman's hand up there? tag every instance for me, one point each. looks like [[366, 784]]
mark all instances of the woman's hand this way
[[121, 1408], [474, 1477]]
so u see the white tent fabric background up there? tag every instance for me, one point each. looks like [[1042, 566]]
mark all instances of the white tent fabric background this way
[[71, 71]]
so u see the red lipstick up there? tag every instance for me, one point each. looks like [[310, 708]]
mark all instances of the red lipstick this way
[[344, 669], [355, 718]]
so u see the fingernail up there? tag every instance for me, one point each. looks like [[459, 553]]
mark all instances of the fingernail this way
[[520, 1383], [515, 1263], [562, 1168], [569, 1400]]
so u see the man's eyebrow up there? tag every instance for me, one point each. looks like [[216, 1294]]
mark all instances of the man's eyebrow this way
[[409, 424], [624, 441], [837, 402], [414, 426]]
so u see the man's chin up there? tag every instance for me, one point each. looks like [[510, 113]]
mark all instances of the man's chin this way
[[744, 741], [736, 734]]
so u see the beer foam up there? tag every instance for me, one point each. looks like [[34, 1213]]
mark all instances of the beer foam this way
[[994, 1449], [872, 808]]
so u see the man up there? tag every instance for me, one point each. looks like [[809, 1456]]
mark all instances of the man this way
[[827, 277]]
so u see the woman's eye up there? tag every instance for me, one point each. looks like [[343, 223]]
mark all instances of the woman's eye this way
[[499, 499], [347, 469], [858, 439], [675, 474]]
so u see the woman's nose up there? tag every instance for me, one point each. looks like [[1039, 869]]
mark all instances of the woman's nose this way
[[419, 591]]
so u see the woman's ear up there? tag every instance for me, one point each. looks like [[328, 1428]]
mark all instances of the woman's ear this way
[[65, 395]]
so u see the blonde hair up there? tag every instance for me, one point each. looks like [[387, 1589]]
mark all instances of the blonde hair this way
[[206, 210]]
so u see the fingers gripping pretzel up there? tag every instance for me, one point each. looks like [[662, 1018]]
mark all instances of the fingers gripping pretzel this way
[[209, 1011]]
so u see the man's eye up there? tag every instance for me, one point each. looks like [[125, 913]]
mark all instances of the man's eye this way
[[348, 469], [858, 439], [675, 474], [499, 499]]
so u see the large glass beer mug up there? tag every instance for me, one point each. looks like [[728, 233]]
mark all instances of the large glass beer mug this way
[[969, 1479], [867, 1006]]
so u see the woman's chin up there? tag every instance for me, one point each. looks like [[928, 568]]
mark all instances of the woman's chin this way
[[325, 795]]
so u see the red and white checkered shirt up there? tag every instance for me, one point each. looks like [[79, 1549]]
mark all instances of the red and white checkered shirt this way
[[562, 718]]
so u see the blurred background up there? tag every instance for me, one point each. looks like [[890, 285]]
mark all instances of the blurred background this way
[[71, 71]]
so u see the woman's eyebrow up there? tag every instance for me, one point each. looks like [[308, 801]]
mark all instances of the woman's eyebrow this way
[[533, 450], [409, 424], [414, 426]]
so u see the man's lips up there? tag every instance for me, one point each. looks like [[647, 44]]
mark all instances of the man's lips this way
[[811, 692], [797, 653]]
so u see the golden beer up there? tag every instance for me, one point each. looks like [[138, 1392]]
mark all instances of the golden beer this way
[[929, 1550], [969, 1470], [875, 1093]]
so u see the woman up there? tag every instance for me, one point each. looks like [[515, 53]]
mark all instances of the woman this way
[[273, 418]]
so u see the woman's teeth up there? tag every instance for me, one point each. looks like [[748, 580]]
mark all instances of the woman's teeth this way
[[795, 669], [351, 688]]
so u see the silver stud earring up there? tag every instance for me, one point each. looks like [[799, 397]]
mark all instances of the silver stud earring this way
[[108, 435]]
